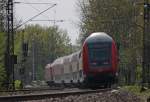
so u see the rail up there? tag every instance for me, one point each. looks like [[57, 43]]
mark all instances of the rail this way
[[16, 98]]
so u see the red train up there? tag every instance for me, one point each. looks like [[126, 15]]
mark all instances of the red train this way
[[96, 64]]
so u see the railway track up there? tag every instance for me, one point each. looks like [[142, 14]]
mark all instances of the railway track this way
[[46, 95]]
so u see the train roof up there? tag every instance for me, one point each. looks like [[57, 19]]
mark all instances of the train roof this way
[[58, 61], [47, 66], [66, 59], [74, 56], [98, 37]]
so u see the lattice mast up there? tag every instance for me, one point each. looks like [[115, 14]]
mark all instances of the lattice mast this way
[[10, 45]]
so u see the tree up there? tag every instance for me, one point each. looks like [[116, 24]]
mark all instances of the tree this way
[[45, 44], [2, 44], [116, 18], [2, 57]]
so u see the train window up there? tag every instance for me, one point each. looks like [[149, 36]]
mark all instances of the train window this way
[[62, 70], [99, 54], [70, 68], [78, 66], [80, 73]]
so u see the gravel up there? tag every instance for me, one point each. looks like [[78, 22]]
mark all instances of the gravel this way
[[111, 96]]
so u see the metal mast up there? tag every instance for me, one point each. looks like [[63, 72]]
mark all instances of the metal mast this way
[[9, 62], [146, 43]]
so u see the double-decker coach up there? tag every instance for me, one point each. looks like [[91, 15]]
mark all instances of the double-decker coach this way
[[100, 59], [95, 65]]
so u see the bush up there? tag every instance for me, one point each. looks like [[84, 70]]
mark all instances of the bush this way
[[18, 84]]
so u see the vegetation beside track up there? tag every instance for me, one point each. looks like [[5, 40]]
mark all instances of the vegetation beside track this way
[[135, 89]]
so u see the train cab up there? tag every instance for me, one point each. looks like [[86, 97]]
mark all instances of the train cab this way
[[99, 56]]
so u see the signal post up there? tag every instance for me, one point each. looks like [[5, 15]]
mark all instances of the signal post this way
[[146, 45]]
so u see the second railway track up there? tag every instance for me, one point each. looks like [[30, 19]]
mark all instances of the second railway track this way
[[52, 94]]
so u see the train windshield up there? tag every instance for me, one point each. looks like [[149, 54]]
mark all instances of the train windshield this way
[[99, 54]]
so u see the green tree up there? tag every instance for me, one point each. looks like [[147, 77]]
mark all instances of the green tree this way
[[45, 44], [118, 19], [2, 67], [2, 43]]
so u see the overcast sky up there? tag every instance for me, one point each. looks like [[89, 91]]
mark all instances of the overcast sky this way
[[64, 10]]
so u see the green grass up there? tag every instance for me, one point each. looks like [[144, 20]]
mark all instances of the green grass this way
[[137, 91]]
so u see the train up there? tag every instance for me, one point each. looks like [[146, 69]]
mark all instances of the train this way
[[96, 64]]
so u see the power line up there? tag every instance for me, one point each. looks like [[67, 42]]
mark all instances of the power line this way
[[50, 20], [35, 16], [36, 9], [33, 3]]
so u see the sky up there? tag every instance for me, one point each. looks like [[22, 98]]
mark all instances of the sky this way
[[65, 10]]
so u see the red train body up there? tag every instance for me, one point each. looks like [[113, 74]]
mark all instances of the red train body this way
[[100, 59], [95, 64]]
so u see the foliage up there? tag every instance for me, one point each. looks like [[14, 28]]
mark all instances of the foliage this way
[[135, 89], [2, 68], [18, 84], [118, 19], [112, 16], [2, 14], [2, 44], [139, 72], [44, 45]]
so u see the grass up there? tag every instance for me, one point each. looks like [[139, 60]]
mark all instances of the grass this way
[[135, 89]]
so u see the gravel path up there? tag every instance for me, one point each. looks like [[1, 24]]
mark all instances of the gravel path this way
[[113, 96]]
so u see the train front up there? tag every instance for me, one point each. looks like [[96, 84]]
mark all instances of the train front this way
[[99, 57]]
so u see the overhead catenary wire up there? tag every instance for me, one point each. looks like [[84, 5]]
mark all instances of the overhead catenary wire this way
[[35, 16], [31, 5], [50, 20]]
